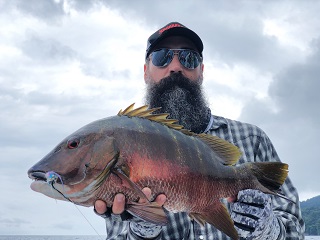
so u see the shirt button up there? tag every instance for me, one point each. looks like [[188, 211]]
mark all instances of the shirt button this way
[[201, 237]]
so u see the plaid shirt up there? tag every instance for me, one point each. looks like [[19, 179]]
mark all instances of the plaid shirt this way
[[256, 147]]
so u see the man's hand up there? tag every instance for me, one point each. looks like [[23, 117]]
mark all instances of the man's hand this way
[[253, 216], [117, 207], [119, 202], [138, 227]]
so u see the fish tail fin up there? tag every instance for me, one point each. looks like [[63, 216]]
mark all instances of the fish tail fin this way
[[218, 216], [271, 175]]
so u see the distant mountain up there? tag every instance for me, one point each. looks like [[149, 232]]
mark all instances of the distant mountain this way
[[310, 210], [313, 202]]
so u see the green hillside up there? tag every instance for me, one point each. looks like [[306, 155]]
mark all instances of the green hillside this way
[[311, 215]]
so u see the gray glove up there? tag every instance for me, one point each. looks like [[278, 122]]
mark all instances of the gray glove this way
[[253, 216], [143, 229]]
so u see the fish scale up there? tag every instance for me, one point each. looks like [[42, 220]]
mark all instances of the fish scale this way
[[137, 149]]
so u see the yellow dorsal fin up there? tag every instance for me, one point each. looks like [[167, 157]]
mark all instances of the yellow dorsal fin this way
[[145, 112], [157, 117], [228, 153]]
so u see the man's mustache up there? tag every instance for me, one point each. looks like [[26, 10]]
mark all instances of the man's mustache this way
[[173, 81]]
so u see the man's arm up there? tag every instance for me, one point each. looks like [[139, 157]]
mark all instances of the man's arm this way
[[275, 212]]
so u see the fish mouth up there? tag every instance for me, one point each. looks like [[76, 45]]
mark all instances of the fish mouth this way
[[49, 177], [48, 180], [38, 176]]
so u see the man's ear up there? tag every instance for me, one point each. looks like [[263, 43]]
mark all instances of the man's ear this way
[[201, 72], [145, 75]]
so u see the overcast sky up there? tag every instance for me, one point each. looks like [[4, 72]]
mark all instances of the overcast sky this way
[[66, 63]]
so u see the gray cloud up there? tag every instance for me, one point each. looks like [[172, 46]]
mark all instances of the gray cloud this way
[[295, 125], [58, 115], [46, 50], [97, 68], [296, 89], [48, 11], [231, 31]]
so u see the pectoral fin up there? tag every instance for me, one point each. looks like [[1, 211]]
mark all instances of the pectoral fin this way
[[218, 216], [150, 212], [126, 182]]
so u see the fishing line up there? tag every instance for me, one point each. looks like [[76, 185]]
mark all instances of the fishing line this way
[[51, 179], [52, 188], [86, 219], [78, 210]]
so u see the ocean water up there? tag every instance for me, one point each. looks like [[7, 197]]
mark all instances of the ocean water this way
[[37, 237], [47, 237]]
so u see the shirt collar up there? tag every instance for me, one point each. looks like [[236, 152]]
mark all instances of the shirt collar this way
[[215, 123], [209, 124]]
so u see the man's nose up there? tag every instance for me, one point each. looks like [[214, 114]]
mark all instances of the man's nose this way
[[175, 65]]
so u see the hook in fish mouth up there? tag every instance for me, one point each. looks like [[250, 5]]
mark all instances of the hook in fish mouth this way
[[49, 177], [53, 177]]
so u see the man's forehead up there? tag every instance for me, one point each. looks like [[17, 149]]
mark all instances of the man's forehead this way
[[176, 42]]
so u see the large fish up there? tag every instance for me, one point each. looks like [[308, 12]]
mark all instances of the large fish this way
[[137, 149]]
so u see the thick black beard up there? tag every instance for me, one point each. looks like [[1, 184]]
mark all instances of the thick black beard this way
[[183, 99]]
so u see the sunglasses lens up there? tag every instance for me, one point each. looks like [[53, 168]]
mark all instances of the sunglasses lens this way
[[162, 57], [189, 59]]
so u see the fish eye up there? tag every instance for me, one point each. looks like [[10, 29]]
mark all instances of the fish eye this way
[[73, 143]]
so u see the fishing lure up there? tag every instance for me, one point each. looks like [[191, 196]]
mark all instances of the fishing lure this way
[[52, 177]]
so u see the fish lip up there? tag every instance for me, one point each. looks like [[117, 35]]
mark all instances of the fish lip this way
[[43, 177], [38, 176]]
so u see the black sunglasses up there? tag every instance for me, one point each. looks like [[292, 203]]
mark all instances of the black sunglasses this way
[[188, 58]]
